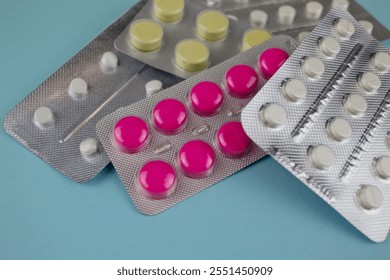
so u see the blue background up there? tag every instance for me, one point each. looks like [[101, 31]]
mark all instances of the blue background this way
[[261, 212]]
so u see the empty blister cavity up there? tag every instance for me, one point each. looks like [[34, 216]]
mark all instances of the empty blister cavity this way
[[156, 179], [242, 81], [273, 115], [78, 89], [206, 98], [169, 116], [321, 157], [168, 10], [258, 18], [212, 25], [294, 90], [313, 9], [381, 61], [355, 104], [108, 62], [232, 140], [370, 197], [344, 27], [369, 81], [44, 117], [313, 67], [286, 14], [131, 134], [89, 147], [329, 46], [152, 87], [192, 55], [146, 35], [339, 129], [254, 37], [271, 60], [382, 167]]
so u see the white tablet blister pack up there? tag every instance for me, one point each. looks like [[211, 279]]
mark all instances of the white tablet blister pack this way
[[188, 137], [57, 120], [295, 18], [325, 116], [183, 38]]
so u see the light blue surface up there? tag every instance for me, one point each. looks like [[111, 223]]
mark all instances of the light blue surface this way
[[261, 212]]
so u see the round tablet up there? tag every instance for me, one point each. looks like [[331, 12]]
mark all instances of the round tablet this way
[[313, 67], [232, 140], [341, 4], [344, 27], [313, 9], [89, 147], [196, 159], [108, 62], [329, 46], [78, 88], [382, 167], [169, 116], [43, 117], [241, 80], [369, 81], [206, 98], [212, 25], [145, 35], [271, 60], [191, 55], [355, 104], [302, 36], [152, 87], [254, 37], [367, 25], [370, 197], [286, 14], [339, 129], [156, 179], [381, 61], [294, 90], [131, 134], [258, 18], [273, 115], [168, 10], [321, 157]]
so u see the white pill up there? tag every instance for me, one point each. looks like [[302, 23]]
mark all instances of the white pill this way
[[78, 88], [109, 62], [313, 67], [344, 27], [43, 117], [302, 36], [258, 18], [152, 87], [313, 9], [294, 90], [341, 4], [273, 115], [381, 61], [369, 81], [89, 147], [370, 197], [329, 46], [339, 129], [382, 167], [321, 157], [367, 25], [355, 104], [286, 14]]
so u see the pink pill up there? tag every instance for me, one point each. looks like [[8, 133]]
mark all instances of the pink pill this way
[[242, 81], [169, 116], [206, 98], [271, 60], [157, 179], [196, 159], [232, 140], [131, 134]]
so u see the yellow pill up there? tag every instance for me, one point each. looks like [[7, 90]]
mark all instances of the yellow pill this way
[[212, 25], [253, 37], [145, 35], [191, 55], [168, 10]]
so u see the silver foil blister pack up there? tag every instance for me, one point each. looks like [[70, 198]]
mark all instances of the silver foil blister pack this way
[[183, 40], [188, 137], [325, 116], [57, 120]]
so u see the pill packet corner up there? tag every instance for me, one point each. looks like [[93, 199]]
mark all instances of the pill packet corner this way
[[190, 135], [325, 117], [57, 120]]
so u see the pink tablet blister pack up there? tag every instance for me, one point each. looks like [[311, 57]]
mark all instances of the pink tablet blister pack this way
[[188, 137]]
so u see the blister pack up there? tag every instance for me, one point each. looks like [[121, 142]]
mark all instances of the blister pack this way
[[57, 120], [325, 116], [295, 18], [183, 38], [188, 137]]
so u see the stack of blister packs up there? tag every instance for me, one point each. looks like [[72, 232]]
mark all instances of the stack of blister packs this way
[[303, 81]]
